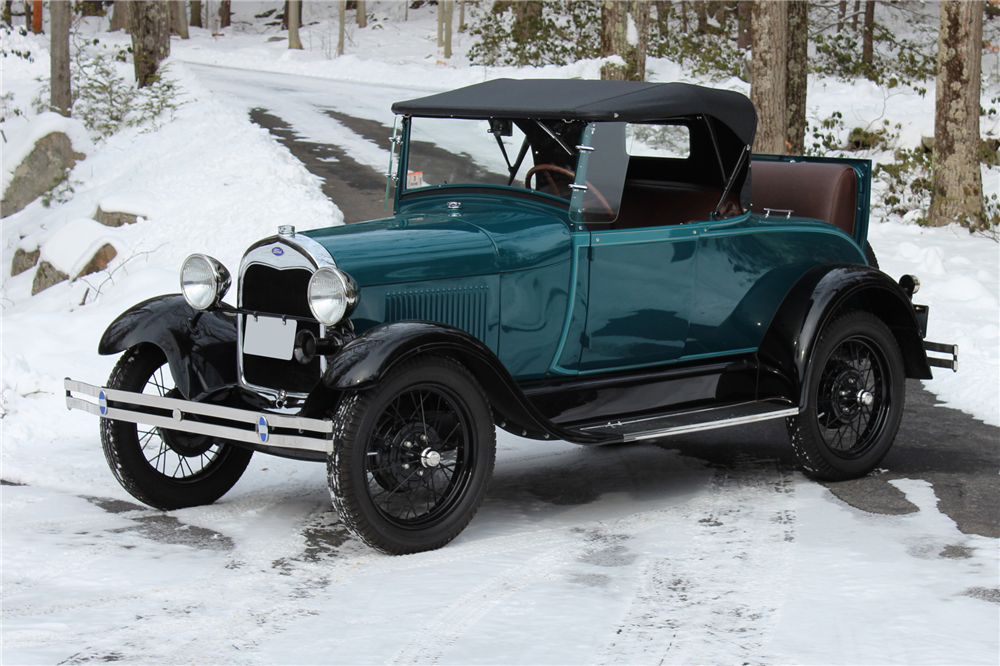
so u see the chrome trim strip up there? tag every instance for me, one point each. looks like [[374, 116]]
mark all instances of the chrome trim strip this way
[[180, 408], [712, 425]]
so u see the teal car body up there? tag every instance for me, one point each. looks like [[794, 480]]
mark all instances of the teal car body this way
[[646, 276]]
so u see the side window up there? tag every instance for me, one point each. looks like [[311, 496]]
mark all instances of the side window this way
[[670, 141]]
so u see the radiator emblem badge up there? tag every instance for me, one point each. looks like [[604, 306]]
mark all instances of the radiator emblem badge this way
[[277, 251], [262, 430]]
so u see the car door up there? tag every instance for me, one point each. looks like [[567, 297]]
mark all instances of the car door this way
[[640, 294]]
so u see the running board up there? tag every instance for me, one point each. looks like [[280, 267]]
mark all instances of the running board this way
[[680, 423]]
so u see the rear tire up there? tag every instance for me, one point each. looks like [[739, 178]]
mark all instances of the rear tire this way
[[166, 469], [412, 456], [855, 396], [870, 255]]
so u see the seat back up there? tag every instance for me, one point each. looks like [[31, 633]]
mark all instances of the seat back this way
[[820, 190], [647, 203]]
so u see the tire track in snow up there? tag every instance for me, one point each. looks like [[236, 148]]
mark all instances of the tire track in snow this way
[[713, 613]]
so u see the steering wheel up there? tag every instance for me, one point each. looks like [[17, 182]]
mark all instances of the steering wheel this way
[[548, 168]]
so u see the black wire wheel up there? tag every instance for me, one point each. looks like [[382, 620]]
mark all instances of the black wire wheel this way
[[855, 395], [412, 457], [166, 469]]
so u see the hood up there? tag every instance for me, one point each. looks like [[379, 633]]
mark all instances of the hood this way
[[410, 249]]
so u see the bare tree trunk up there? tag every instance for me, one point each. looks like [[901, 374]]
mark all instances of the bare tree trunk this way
[[7, 12], [637, 58], [957, 188], [361, 15], [196, 14], [449, 8], [225, 13], [614, 32], [841, 14], [461, 16], [36, 17], [27, 14], [615, 39], [769, 73], [798, 75], [340, 35], [178, 18], [684, 16], [440, 23], [294, 19], [663, 9], [119, 15], [701, 11], [868, 38], [854, 17], [743, 32], [150, 28], [61, 99]]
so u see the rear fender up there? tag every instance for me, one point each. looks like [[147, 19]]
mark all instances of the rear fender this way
[[367, 359], [819, 295], [201, 350]]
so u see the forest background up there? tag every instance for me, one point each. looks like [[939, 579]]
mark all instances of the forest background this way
[[892, 44]]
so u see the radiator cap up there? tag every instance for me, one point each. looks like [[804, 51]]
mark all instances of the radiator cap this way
[[286, 230]]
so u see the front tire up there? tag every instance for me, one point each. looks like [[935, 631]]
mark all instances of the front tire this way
[[855, 396], [166, 469], [412, 457]]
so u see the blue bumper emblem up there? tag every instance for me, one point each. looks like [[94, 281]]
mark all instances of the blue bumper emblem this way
[[102, 402], [262, 430]]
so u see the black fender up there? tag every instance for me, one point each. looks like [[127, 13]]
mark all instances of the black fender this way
[[821, 293], [363, 362], [200, 346]]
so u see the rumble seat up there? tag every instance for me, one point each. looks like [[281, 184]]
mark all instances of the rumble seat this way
[[822, 191]]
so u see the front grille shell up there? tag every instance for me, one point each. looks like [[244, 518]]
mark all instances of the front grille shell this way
[[273, 281]]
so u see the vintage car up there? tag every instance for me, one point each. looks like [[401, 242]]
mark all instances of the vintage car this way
[[590, 261]]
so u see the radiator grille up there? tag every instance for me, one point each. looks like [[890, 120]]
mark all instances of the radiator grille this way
[[462, 308], [281, 292]]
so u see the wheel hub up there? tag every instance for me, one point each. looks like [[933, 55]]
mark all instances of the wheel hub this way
[[849, 395], [411, 456], [430, 458]]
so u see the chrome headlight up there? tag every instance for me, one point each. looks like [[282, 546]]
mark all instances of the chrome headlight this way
[[204, 281], [332, 295]]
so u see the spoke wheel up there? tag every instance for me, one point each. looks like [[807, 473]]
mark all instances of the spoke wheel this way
[[167, 469], [413, 457], [855, 399]]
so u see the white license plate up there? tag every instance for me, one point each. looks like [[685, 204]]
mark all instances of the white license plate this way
[[270, 337]]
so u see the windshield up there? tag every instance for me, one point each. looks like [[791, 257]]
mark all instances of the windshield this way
[[527, 154]]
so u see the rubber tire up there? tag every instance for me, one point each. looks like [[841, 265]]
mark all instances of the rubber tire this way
[[870, 255], [128, 463], [356, 417], [818, 459]]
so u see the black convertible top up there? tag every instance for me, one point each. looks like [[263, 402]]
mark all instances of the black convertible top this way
[[575, 99]]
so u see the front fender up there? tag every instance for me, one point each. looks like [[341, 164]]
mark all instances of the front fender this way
[[201, 350], [786, 350], [366, 360]]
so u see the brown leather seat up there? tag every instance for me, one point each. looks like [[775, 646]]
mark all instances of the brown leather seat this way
[[819, 190], [654, 204]]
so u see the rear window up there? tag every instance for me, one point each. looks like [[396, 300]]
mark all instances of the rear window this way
[[665, 141]]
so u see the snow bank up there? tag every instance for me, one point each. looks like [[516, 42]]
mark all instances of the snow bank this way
[[960, 281]]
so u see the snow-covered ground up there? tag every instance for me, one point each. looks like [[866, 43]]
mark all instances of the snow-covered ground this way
[[642, 555]]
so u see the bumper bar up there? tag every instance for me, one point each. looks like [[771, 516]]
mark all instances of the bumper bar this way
[[239, 425], [940, 348]]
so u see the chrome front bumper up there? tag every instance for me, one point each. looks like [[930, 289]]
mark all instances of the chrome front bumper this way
[[240, 425]]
